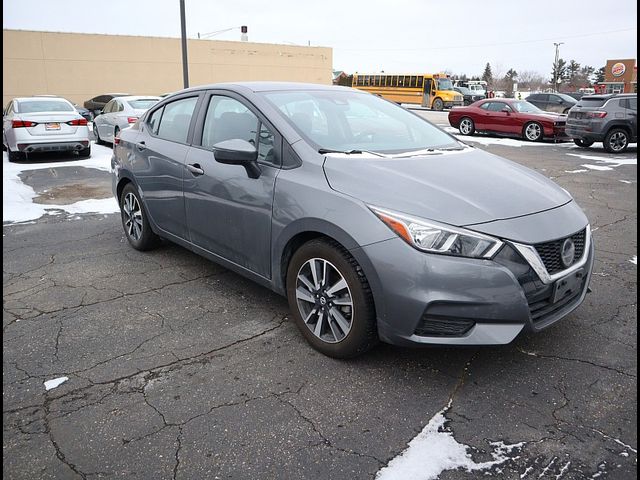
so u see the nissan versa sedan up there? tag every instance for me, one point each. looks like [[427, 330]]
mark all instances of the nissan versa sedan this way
[[508, 117], [119, 113], [43, 124], [374, 223]]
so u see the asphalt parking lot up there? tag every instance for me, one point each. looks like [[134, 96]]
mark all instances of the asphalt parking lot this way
[[179, 368]]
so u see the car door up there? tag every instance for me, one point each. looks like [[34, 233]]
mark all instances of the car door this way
[[228, 213], [102, 121], [160, 152], [631, 113]]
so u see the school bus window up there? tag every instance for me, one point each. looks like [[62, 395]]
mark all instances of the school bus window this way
[[377, 80], [400, 81], [420, 79], [394, 81], [414, 81]]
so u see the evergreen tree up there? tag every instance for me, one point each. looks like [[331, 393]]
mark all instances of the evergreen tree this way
[[487, 76]]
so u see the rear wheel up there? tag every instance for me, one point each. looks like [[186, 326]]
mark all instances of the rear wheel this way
[[616, 140], [96, 134], [437, 104], [134, 220], [85, 152], [14, 156], [533, 132], [331, 300], [467, 127], [582, 143]]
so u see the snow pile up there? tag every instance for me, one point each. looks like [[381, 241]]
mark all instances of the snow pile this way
[[434, 450], [56, 382], [17, 198]]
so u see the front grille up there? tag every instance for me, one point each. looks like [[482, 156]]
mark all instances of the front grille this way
[[542, 308], [550, 252], [442, 326]]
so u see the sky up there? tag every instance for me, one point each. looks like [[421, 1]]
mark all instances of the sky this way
[[393, 36]]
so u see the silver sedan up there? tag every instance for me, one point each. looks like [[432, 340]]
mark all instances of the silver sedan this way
[[43, 124], [118, 114]]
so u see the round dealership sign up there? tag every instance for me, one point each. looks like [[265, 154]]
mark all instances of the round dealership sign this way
[[618, 69]]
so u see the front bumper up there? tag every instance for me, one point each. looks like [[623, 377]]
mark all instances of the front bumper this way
[[457, 103], [476, 302]]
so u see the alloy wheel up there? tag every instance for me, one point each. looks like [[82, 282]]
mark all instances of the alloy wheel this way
[[617, 141], [324, 300], [466, 126], [533, 131], [132, 216]]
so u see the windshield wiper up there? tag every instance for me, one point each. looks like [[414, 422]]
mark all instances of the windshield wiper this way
[[354, 151]]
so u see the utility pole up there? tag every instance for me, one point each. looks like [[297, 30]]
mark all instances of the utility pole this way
[[185, 61], [555, 67]]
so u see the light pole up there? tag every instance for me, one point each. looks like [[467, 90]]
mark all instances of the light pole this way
[[185, 62], [555, 67]]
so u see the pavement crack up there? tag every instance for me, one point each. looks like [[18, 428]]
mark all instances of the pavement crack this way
[[177, 465], [578, 360]]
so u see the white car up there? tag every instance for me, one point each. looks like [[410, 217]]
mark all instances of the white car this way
[[118, 114], [42, 124]]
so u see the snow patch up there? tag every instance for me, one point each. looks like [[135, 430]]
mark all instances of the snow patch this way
[[626, 181], [56, 382], [17, 198], [580, 170], [634, 260], [600, 168], [435, 450], [615, 161]]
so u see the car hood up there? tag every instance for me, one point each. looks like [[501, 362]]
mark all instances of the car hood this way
[[459, 188]]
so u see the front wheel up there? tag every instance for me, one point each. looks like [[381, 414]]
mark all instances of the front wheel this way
[[616, 140], [437, 104], [582, 143], [533, 132], [96, 134], [134, 220], [331, 300], [467, 127]]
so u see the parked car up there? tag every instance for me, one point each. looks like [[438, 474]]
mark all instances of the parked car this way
[[372, 221], [81, 110], [119, 113], [508, 117], [552, 102], [610, 119], [39, 124], [576, 95], [96, 104], [468, 95]]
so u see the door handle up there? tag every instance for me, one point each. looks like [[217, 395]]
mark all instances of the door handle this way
[[141, 146], [195, 168]]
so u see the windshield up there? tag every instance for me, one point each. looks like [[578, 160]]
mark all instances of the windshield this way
[[32, 106], [143, 103], [525, 107], [464, 90], [346, 120], [445, 84], [567, 98]]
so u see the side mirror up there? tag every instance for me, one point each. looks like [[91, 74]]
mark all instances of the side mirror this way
[[506, 110], [238, 152], [97, 112]]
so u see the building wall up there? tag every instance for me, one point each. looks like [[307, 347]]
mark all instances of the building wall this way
[[80, 66]]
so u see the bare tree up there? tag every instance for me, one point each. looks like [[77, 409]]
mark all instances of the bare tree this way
[[531, 80]]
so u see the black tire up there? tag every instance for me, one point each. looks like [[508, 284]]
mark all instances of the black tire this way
[[533, 132], [583, 143], [140, 235], [467, 126], [437, 105], [362, 334], [85, 152], [97, 134], [14, 156], [616, 140], [566, 111]]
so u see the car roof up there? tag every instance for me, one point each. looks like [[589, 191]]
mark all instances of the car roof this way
[[42, 99], [268, 87], [139, 97]]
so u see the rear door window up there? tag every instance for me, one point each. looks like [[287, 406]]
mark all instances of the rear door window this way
[[154, 120], [176, 119]]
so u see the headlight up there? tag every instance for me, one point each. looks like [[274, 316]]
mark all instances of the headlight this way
[[434, 237]]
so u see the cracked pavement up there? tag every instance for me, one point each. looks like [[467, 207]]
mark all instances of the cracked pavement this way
[[180, 369]]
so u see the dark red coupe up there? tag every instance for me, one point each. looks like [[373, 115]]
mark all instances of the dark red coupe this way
[[504, 116]]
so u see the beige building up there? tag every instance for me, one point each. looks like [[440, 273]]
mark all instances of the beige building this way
[[80, 66]]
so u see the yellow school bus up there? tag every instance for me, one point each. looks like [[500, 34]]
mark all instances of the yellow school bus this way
[[432, 90]]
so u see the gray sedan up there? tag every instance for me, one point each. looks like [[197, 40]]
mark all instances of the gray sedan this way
[[374, 223], [118, 114]]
